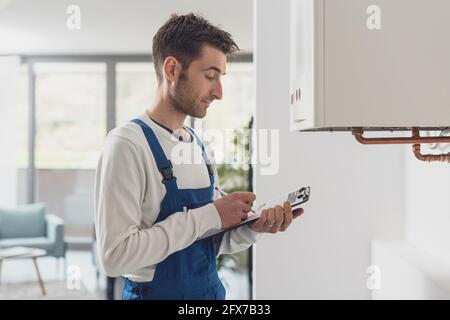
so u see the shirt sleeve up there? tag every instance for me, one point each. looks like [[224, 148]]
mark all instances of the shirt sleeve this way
[[124, 246]]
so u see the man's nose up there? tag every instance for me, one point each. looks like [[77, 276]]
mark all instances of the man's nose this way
[[217, 92]]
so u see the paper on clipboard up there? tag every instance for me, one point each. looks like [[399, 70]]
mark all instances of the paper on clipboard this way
[[295, 198]]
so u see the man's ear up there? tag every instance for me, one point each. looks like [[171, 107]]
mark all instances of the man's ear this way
[[171, 68]]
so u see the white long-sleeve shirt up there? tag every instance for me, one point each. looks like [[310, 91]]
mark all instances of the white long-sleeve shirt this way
[[128, 194]]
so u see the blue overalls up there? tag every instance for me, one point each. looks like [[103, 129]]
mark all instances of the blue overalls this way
[[189, 274]]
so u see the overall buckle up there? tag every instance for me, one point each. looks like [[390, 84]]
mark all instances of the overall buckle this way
[[167, 172]]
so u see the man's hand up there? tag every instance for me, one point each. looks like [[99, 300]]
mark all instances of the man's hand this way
[[234, 208], [276, 219]]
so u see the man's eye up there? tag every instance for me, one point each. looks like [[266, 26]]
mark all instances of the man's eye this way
[[209, 78]]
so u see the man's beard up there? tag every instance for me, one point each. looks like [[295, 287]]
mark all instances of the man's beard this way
[[183, 101]]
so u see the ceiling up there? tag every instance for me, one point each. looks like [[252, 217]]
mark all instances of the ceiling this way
[[109, 26]]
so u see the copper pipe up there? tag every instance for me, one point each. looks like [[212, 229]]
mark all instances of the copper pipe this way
[[414, 139], [430, 157]]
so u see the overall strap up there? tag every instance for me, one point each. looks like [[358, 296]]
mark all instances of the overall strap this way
[[164, 165], [205, 156]]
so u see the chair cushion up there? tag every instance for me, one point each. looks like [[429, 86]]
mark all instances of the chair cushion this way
[[40, 243], [26, 221]]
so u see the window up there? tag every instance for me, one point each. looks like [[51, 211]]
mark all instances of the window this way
[[70, 115], [71, 120], [70, 131], [136, 88]]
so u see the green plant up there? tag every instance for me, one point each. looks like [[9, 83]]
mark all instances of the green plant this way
[[234, 177]]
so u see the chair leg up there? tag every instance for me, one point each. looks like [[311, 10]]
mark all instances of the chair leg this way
[[41, 283], [58, 273], [64, 266], [97, 278]]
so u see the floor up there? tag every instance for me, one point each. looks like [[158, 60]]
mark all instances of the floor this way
[[80, 272]]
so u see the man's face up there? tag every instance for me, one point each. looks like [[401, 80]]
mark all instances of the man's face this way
[[199, 85]]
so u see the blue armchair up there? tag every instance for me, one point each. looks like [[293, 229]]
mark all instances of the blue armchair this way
[[31, 226]]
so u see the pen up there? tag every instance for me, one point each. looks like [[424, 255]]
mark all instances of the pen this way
[[223, 193]]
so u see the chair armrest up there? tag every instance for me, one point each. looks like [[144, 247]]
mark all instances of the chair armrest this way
[[55, 232], [55, 227]]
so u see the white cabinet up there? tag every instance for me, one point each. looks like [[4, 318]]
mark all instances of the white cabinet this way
[[370, 63]]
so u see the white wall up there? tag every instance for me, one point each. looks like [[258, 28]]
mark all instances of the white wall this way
[[408, 272], [427, 197], [356, 193], [419, 266]]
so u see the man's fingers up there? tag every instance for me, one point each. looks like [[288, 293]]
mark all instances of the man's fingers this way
[[247, 197], [271, 219], [279, 217], [259, 224], [246, 207], [287, 216], [297, 213]]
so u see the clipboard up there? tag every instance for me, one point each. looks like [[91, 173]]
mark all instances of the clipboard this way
[[295, 198]]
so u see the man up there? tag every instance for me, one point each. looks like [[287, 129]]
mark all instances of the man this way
[[150, 211]]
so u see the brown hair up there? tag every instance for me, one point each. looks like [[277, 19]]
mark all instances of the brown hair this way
[[182, 37]]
